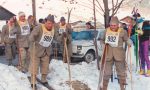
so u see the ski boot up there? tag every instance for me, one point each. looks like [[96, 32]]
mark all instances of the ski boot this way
[[142, 72], [148, 73], [34, 86]]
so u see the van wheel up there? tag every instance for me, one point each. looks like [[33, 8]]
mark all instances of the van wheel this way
[[89, 57]]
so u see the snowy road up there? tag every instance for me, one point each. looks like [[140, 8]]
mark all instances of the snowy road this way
[[12, 79]]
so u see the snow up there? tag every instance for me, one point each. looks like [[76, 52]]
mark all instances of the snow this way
[[12, 79]]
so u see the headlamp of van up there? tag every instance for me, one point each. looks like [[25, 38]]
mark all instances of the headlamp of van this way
[[79, 47]]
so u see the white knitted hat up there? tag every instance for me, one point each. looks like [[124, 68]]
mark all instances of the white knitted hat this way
[[21, 14]]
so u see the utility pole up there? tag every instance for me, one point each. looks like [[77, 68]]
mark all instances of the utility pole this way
[[34, 10], [33, 52], [95, 39]]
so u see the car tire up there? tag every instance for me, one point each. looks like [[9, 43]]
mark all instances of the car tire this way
[[89, 56]]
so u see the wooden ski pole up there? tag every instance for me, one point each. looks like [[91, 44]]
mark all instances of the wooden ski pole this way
[[95, 34], [33, 66], [64, 53], [130, 68], [68, 62], [129, 51], [55, 52], [102, 67]]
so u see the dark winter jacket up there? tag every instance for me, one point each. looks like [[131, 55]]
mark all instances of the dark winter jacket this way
[[146, 31]]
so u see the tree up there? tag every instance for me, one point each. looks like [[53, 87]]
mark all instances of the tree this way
[[71, 2], [108, 7], [110, 11]]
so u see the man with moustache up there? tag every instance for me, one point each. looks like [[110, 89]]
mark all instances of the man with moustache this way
[[41, 38], [115, 37]]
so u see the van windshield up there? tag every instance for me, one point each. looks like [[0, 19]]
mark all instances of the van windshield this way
[[85, 35]]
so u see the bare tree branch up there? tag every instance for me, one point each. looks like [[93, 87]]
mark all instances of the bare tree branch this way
[[100, 6], [117, 7], [90, 8], [113, 6]]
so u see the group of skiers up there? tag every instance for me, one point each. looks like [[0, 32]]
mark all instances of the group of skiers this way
[[33, 41]]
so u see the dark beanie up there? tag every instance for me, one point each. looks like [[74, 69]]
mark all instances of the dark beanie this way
[[62, 19]]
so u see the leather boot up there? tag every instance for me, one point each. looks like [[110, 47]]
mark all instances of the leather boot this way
[[105, 85], [32, 80], [35, 87], [43, 78], [122, 83]]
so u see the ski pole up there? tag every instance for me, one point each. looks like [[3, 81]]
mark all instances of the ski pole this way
[[64, 53], [102, 67], [68, 62], [130, 68], [55, 52], [33, 66]]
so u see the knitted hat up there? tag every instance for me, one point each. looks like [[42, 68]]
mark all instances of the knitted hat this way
[[62, 19], [50, 18], [21, 14], [114, 20]]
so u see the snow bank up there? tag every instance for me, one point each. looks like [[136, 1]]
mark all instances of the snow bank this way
[[12, 79]]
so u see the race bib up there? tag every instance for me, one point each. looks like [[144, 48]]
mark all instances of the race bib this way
[[46, 38], [25, 29], [112, 38], [62, 29], [11, 34]]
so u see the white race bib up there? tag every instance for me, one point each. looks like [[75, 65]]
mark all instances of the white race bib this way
[[112, 38], [25, 29], [62, 29], [11, 34], [46, 38]]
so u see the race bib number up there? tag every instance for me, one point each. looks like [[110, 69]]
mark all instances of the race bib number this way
[[46, 40], [112, 39], [61, 30], [25, 30]]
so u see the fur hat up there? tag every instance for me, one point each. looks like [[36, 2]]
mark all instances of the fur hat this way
[[21, 14], [62, 19], [50, 18], [114, 20]]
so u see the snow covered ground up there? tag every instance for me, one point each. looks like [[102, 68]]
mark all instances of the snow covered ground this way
[[12, 79]]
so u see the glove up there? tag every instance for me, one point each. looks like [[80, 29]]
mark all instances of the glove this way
[[129, 42], [64, 34]]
